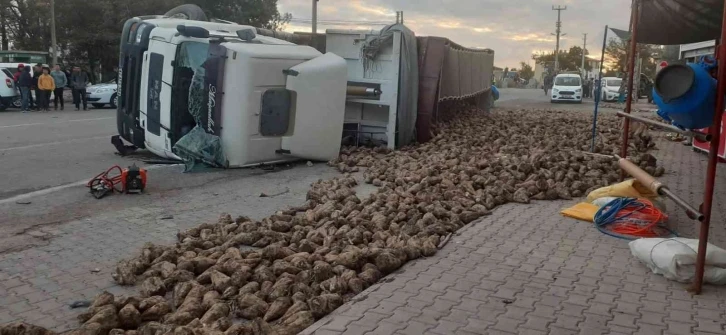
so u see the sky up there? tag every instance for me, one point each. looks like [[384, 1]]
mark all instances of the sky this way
[[514, 29]]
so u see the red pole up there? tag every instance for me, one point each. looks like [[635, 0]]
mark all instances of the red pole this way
[[715, 132], [631, 70]]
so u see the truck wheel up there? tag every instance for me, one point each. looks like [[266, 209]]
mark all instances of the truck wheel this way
[[188, 12]]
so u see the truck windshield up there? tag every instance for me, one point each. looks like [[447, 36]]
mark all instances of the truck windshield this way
[[189, 64], [188, 87]]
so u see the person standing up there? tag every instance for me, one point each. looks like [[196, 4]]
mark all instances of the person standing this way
[[79, 82], [547, 84], [16, 75], [25, 82], [46, 85], [586, 88], [37, 71], [59, 77]]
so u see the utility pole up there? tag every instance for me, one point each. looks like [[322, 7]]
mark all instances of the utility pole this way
[[315, 17], [558, 32], [584, 47], [52, 33]]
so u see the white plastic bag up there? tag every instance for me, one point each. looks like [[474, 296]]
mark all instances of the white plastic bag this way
[[675, 259]]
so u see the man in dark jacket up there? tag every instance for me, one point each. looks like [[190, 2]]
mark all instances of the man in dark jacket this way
[[79, 82], [37, 71], [547, 84], [25, 81]]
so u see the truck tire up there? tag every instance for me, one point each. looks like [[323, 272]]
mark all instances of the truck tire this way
[[188, 12]]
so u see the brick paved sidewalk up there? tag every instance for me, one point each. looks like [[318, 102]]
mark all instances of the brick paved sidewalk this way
[[528, 270]]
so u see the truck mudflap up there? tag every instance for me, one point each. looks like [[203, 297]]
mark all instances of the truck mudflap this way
[[318, 108]]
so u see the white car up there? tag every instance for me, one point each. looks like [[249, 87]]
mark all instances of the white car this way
[[100, 95], [567, 87], [610, 88], [9, 96]]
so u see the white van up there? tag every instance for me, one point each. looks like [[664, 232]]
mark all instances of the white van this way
[[567, 87]]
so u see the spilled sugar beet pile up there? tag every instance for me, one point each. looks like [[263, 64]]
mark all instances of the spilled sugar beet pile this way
[[306, 261]]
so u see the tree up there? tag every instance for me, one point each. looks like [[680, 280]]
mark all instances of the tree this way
[[617, 49], [525, 71], [569, 60], [88, 32], [256, 13]]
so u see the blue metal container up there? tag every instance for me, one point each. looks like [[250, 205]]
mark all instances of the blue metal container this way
[[495, 93], [686, 95]]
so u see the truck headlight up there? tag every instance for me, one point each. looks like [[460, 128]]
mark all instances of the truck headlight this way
[[554, 90], [578, 90]]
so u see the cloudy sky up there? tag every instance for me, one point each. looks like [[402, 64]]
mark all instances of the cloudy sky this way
[[514, 29]]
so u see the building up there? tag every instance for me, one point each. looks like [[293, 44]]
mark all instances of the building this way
[[691, 52], [594, 63]]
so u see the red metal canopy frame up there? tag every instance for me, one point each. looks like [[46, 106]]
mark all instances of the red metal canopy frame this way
[[715, 132]]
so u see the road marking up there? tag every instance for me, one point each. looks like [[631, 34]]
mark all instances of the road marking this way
[[55, 143], [52, 123], [50, 190]]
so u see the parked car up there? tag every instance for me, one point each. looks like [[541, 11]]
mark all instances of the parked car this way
[[610, 88], [567, 87], [9, 96], [100, 95]]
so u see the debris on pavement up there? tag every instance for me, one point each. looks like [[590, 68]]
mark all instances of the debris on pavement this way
[[265, 195], [79, 304], [306, 261], [23, 202]]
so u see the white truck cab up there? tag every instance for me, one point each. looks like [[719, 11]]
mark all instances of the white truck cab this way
[[566, 87], [222, 94]]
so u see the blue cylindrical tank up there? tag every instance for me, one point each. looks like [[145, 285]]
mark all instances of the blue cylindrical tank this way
[[686, 95], [495, 93]]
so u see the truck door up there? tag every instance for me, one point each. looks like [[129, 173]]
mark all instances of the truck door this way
[[155, 101]]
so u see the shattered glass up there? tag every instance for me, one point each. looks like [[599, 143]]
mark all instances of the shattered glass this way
[[197, 146]]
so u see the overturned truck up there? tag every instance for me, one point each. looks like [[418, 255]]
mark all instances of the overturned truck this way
[[221, 94], [230, 95]]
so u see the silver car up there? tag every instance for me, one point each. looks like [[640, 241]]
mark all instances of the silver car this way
[[100, 95]]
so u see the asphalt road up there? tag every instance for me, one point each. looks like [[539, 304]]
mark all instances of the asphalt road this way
[[42, 150]]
